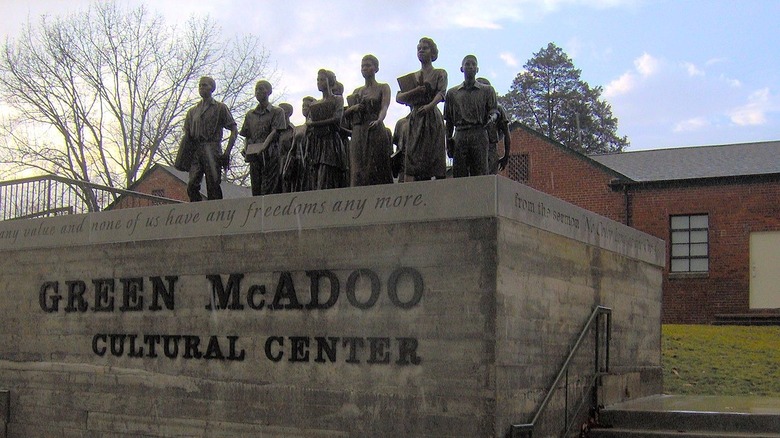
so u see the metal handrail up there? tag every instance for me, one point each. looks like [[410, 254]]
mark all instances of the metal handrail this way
[[53, 205], [526, 429]]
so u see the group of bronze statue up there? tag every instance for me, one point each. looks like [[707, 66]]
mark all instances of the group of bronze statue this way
[[348, 145]]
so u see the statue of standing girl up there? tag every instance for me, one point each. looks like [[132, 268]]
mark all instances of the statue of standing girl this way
[[326, 157], [370, 147], [425, 148]]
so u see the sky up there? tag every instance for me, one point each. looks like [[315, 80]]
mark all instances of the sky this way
[[675, 72]]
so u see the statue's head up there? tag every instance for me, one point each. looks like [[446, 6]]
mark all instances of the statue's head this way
[[206, 86], [469, 66], [431, 46], [338, 88], [263, 89], [287, 108], [305, 104], [325, 79], [369, 61]]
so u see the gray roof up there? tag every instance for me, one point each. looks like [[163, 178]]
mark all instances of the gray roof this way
[[229, 191], [729, 160]]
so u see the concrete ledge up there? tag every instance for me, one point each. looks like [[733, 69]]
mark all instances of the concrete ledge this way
[[462, 198]]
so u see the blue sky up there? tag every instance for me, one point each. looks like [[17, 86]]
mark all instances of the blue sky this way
[[677, 73]]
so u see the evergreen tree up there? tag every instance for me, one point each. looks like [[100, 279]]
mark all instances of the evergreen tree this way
[[550, 97]]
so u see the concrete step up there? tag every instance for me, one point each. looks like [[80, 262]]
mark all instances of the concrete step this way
[[693, 421], [748, 319], [632, 433], [692, 416]]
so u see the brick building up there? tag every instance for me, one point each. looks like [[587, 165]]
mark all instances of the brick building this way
[[167, 182], [717, 207]]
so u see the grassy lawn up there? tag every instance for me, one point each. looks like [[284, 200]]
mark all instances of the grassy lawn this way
[[721, 360]]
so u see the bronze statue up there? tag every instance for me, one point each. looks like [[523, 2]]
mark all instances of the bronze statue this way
[[326, 156], [400, 138], [200, 151], [370, 148], [468, 109], [422, 91], [497, 131], [261, 129], [286, 144], [294, 170]]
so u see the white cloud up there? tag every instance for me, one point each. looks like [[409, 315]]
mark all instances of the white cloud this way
[[694, 124], [644, 67], [692, 69], [735, 83], [714, 61], [509, 59], [647, 65], [481, 15], [555, 5], [754, 112], [621, 85], [474, 15]]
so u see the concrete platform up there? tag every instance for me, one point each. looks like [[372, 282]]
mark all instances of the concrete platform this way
[[703, 403], [692, 416], [426, 309]]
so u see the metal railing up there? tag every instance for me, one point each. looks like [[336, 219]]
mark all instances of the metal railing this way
[[601, 316], [5, 411], [52, 195]]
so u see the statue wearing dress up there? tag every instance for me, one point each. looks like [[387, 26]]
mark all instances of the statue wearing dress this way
[[370, 146], [425, 156], [326, 156]]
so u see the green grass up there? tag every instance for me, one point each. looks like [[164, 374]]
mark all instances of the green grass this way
[[721, 360]]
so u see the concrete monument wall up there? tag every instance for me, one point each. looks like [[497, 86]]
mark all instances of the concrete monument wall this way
[[423, 309]]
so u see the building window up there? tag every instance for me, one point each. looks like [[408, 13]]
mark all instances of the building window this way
[[160, 193], [690, 243], [517, 168]]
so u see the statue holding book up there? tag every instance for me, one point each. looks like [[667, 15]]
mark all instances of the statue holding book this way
[[261, 129], [424, 157]]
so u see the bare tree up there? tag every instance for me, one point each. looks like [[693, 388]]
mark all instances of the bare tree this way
[[100, 95]]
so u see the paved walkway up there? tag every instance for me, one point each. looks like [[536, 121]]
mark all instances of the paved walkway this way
[[702, 403]]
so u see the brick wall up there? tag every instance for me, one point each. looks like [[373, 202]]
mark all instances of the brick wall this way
[[566, 174], [736, 207], [158, 182], [160, 179]]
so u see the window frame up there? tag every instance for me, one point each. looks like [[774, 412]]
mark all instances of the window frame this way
[[519, 167], [692, 244]]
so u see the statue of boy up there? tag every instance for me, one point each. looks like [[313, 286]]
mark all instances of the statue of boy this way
[[468, 109], [200, 151], [261, 129], [497, 131]]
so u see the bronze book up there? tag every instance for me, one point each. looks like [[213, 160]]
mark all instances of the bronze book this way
[[408, 81], [321, 110], [254, 148]]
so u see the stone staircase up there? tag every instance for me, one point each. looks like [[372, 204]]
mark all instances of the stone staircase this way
[[691, 416]]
